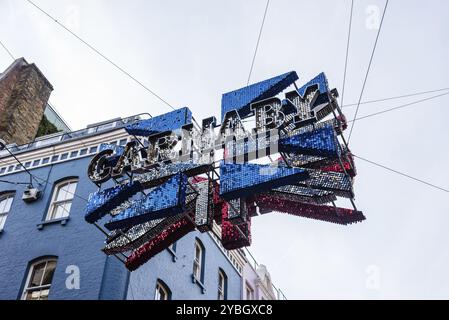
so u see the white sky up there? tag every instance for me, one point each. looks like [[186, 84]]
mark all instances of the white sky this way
[[190, 52]]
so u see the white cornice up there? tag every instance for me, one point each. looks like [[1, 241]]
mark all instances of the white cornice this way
[[63, 147]]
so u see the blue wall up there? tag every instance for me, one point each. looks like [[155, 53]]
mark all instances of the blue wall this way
[[177, 275], [78, 243]]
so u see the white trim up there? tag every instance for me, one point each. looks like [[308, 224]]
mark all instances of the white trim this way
[[8, 197], [198, 261], [165, 290], [58, 150], [222, 278], [55, 203], [30, 272]]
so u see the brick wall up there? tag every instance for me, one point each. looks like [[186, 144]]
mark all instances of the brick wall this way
[[24, 92]]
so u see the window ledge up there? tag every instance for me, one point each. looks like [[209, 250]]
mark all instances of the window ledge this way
[[173, 254], [199, 283], [62, 221]]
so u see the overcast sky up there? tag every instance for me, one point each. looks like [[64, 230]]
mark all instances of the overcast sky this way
[[190, 52]]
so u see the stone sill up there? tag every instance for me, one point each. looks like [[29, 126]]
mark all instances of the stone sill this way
[[63, 222], [173, 254], [199, 283]]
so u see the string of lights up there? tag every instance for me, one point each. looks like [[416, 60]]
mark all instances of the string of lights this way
[[368, 70], [347, 53]]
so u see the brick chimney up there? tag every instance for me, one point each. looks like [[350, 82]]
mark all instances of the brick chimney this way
[[24, 92]]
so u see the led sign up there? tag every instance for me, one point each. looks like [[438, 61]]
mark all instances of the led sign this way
[[271, 152]]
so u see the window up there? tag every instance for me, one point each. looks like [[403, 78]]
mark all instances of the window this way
[[162, 291], [62, 199], [249, 292], [37, 286], [83, 152], [198, 261], [45, 160], [36, 162], [5, 205], [54, 158], [64, 156], [73, 154], [93, 150], [222, 285]]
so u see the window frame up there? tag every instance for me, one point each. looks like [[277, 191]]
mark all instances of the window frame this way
[[27, 286], [199, 261], [55, 203], [5, 196], [163, 286], [249, 288], [222, 285]]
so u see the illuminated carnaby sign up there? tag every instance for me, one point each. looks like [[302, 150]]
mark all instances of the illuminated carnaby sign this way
[[272, 151]]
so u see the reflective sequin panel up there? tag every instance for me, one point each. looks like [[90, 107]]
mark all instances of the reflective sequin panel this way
[[319, 142], [166, 122], [165, 200], [303, 194], [234, 236], [204, 208], [241, 99], [171, 234], [307, 210], [102, 202], [243, 180]]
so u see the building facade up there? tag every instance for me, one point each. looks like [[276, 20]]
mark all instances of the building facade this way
[[257, 285]]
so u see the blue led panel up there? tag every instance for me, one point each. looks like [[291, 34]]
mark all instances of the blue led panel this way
[[156, 176], [242, 180], [318, 142], [166, 200], [319, 80], [323, 88], [101, 202], [241, 99], [165, 122]]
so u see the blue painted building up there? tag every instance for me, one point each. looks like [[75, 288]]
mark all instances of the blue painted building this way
[[47, 250]]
